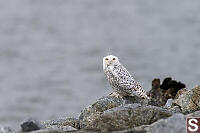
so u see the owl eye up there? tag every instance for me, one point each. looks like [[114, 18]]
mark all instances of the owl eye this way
[[106, 58], [114, 59]]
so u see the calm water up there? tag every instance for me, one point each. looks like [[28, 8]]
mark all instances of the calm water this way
[[51, 51]]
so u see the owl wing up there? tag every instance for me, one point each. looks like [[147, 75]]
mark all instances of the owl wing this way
[[127, 82], [138, 88]]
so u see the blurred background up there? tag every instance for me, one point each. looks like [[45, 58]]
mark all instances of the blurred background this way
[[51, 51]]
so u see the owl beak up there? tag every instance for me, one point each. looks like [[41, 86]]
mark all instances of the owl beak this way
[[109, 63]]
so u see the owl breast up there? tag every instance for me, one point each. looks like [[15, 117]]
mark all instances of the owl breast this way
[[120, 80]]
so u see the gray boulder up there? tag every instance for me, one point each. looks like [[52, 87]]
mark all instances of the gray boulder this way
[[106, 103], [169, 103], [57, 131], [180, 92], [194, 114], [31, 125], [46, 131], [62, 124], [175, 109], [124, 117], [174, 124], [189, 101]]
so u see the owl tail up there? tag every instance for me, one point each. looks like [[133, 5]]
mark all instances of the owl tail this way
[[146, 97], [142, 94], [140, 91]]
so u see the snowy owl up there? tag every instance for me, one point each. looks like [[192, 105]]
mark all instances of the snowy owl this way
[[120, 79]]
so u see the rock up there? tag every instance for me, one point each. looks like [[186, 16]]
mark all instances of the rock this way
[[124, 117], [46, 131], [6, 130], [180, 92], [161, 93], [62, 128], [157, 94], [174, 124], [140, 129], [189, 101], [174, 109], [56, 131], [169, 103], [31, 125], [194, 114], [84, 131], [63, 124], [106, 103], [155, 83], [165, 83], [171, 87]]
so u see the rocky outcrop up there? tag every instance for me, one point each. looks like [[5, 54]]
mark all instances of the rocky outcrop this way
[[160, 93], [189, 101], [174, 124], [165, 112], [124, 117], [106, 103], [111, 113]]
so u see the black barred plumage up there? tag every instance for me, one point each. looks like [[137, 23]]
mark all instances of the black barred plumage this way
[[120, 79]]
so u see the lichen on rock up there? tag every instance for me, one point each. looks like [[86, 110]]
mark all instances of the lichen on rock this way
[[62, 124], [189, 101]]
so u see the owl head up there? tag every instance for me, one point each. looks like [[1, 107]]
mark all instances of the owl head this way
[[110, 60]]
